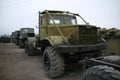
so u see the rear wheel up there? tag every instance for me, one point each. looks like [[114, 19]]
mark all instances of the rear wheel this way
[[30, 51], [101, 72], [53, 63]]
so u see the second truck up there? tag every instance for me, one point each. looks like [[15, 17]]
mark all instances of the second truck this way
[[25, 33]]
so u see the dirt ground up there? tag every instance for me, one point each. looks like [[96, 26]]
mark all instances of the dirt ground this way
[[16, 65]]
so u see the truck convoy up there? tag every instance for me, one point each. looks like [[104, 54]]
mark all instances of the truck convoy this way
[[61, 41]]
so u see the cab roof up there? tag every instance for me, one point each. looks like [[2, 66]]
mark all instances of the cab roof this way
[[52, 11]]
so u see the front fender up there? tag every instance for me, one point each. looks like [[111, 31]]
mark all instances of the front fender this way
[[56, 40]]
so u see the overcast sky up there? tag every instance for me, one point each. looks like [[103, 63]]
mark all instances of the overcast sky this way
[[15, 14]]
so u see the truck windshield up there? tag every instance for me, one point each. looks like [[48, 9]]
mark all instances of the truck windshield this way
[[27, 30], [60, 19], [57, 19]]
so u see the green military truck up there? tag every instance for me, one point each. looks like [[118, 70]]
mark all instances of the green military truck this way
[[24, 34], [62, 41]]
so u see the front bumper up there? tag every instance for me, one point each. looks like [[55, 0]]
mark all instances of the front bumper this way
[[80, 48]]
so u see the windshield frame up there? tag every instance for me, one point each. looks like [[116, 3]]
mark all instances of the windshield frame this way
[[63, 20]]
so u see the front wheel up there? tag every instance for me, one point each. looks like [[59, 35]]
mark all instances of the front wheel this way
[[101, 72], [53, 63], [30, 51], [21, 44]]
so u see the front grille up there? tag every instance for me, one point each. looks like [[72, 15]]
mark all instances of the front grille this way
[[87, 35], [30, 34]]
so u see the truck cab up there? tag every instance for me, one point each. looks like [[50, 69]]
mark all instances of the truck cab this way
[[61, 30]]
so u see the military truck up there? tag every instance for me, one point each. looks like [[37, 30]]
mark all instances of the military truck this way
[[62, 41], [24, 34]]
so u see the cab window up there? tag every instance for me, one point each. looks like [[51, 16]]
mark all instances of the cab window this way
[[43, 20], [57, 19], [70, 20]]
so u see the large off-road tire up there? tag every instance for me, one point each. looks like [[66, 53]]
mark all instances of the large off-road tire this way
[[53, 63], [112, 59], [30, 51], [101, 72]]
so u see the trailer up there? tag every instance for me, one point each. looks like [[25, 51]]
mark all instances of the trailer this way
[[102, 68]]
